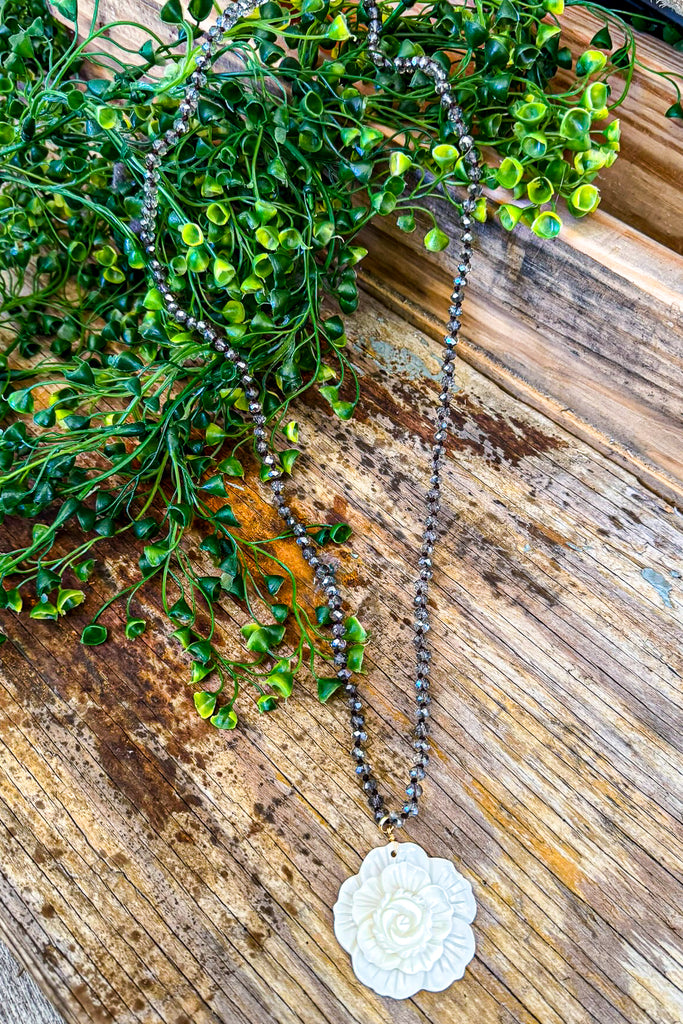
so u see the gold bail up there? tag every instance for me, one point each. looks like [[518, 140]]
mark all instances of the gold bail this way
[[387, 829]]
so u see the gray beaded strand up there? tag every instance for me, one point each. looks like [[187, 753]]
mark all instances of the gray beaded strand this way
[[325, 574]]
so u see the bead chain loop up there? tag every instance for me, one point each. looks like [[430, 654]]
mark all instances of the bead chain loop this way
[[325, 574]]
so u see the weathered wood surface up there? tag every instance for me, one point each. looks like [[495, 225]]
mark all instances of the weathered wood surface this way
[[154, 870], [588, 328], [20, 998]]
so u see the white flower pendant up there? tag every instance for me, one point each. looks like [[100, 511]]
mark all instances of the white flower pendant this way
[[405, 920]]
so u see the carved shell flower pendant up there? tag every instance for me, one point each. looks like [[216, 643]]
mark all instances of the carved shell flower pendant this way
[[405, 920]]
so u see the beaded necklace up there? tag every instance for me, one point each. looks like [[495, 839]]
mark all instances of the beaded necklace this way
[[405, 917]]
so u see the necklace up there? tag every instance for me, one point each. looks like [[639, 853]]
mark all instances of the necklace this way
[[405, 917]]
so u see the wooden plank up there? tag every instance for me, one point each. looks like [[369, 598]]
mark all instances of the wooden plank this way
[[587, 328], [155, 870], [644, 188]]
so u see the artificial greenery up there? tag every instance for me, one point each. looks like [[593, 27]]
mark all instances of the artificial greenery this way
[[115, 421]]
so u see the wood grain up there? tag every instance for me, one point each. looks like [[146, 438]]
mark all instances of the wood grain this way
[[20, 998], [156, 871], [587, 328]]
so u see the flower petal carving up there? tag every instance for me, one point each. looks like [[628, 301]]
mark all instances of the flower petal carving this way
[[405, 919]]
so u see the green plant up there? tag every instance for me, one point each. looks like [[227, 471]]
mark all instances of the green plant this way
[[115, 421]]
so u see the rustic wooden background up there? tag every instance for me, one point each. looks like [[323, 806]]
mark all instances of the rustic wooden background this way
[[157, 872]]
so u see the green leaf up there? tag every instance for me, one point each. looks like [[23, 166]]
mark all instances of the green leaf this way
[[201, 671], [354, 630], [279, 612], [68, 599], [399, 163], [225, 516], [546, 31], [575, 123], [354, 658], [435, 240], [135, 628], [20, 44], [225, 718], [106, 256], [507, 12], [184, 636], [214, 485], [338, 30], [82, 374], [445, 155], [223, 272], [406, 222], [231, 467], [583, 200], [210, 587], [198, 259], [107, 118], [344, 410], [547, 225], [266, 702], [43, 610], [510, 172], [327, 685], [589, 62], [291, 431], [205, 703], [155, 554], [595, 97], [200, 9], [215, 434], [21, 401], [181, 611], [267, 236], [288, 458], [590, 161], [13, 600], [509, 215], [171, 12], [264, 211], [273, 583], [145, 528], [46, 581], [281, 681], [535, 145], [475, 32], [602, 39], [67, 8], [540, 191], [153, 299], [192, 234], [201, 650], [93, 635], [262, 638], [531, 113], [675, 110]]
